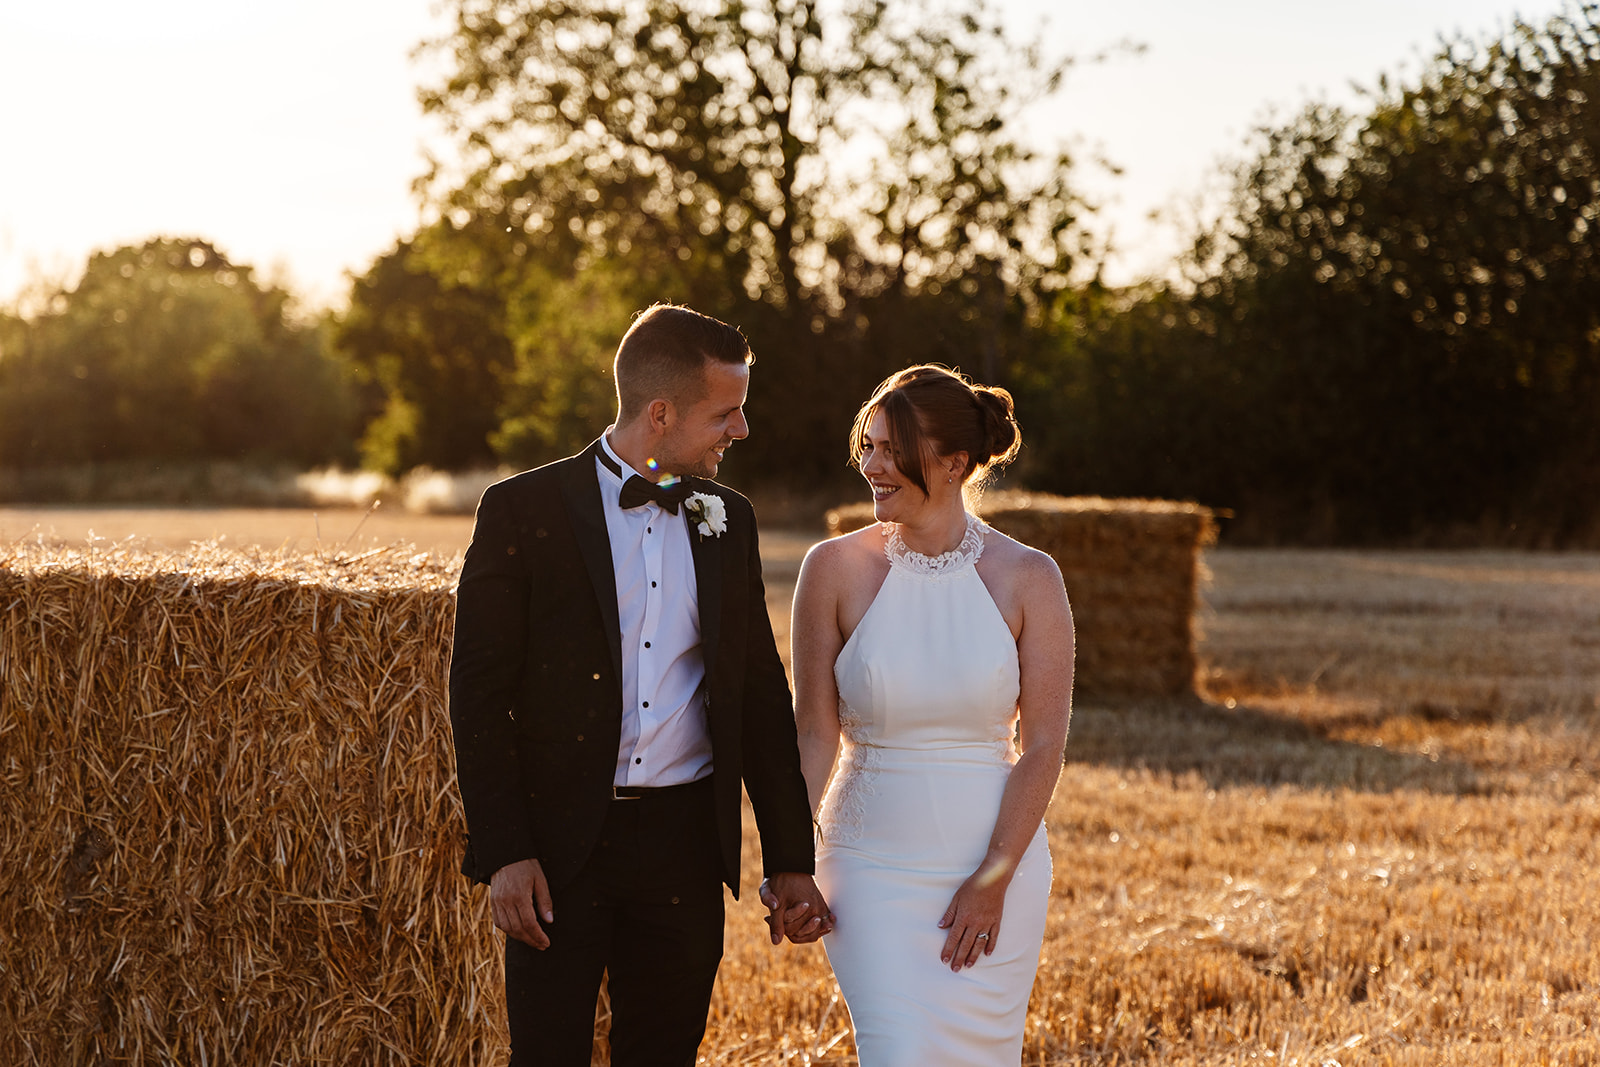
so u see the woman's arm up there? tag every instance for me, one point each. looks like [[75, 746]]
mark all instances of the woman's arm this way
[[1045, 658], [815, 643]]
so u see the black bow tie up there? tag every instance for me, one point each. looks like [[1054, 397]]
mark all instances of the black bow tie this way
[[637, 491]]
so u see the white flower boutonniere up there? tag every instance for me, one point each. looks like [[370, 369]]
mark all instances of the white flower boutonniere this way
[[710, 515]]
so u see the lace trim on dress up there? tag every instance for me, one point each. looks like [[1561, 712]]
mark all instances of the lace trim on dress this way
[[957, 559], [1005, 746], [845, 806]]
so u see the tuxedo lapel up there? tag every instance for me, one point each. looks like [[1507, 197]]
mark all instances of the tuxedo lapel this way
[[707, 553], [580, 486]]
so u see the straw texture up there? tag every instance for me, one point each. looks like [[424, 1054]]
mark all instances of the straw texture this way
[[1132, 570], [231, 829]]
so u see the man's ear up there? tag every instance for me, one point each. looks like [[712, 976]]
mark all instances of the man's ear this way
[[659, 414]]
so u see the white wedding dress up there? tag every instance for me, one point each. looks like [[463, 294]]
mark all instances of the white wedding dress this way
[[928, 686]]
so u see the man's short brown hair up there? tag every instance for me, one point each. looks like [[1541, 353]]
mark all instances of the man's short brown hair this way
[[664, 353]]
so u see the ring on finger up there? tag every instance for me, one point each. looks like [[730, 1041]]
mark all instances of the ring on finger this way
[[983, 937]]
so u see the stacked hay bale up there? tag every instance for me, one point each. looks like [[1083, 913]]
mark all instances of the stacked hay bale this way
[[1132, 570], [231, 830]]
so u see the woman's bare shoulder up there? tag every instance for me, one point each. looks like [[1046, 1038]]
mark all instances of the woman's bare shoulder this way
[[1020, 563], [1014, 553], [845, 555]]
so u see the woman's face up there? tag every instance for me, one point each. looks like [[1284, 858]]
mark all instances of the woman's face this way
[[895, 498]]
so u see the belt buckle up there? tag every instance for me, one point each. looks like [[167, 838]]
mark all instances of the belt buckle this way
[[618, 796]]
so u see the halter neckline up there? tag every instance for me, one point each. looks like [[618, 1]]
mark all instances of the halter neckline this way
[[959, 558]]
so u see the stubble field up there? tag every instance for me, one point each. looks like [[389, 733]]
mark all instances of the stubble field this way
[[1373, 842]]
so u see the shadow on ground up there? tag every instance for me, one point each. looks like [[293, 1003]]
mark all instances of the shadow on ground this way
[[1248, 746]]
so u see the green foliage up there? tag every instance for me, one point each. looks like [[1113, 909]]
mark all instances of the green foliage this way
[[849, 187], [426, 333], [565, 330], [1393, 333], [1397, 330], [167, 351], [799, 155]]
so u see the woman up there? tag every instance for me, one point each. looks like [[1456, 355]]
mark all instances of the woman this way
[[925, 641]]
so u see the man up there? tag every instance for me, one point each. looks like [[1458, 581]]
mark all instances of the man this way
[[613, 680]]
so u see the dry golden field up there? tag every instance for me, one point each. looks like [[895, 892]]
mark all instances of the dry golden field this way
[[1375, 841], [290, 529]]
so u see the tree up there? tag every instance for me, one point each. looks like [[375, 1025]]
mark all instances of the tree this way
[[169, 351], [846, 182], [426, 332], [1395, 331], [565, 328], [804, 155]]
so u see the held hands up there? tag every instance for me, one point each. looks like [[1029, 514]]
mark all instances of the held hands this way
[[519, 897], [796, 908], [973, 917]]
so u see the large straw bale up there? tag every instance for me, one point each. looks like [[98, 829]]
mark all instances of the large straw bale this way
[[1132, 571], [231, 830]]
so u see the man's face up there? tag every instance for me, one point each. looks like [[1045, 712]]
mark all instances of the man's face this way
[[704, 426]]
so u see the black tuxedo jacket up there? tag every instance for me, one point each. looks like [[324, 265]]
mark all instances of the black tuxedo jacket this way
[[536, 680]]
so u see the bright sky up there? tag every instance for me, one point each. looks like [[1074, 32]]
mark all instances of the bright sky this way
[[288, 133]]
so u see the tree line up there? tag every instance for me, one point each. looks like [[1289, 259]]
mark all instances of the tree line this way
[[1394, 331], [169, 352], [1391, 334]]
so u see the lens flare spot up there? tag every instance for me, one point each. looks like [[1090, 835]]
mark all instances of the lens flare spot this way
[[994, 875], [655, 468]]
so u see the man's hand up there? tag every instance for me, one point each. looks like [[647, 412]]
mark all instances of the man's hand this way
[[797, 908], [515, 892]]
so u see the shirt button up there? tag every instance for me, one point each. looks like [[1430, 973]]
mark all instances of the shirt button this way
[[637, 760], [647, 644], [652, 585], [647, 703]]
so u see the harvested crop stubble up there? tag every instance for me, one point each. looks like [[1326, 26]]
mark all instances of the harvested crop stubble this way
[[1132, 570], [232, 831], [231, 828]]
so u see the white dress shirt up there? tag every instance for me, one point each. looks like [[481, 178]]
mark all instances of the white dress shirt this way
[[664, 736]]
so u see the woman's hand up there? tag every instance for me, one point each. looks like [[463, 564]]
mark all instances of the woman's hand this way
[[973, 917], [1044, 655]]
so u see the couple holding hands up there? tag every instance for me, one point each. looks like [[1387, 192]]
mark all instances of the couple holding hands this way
[[614, 683]]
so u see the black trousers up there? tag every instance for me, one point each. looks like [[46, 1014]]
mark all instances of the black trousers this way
[[647, 911]]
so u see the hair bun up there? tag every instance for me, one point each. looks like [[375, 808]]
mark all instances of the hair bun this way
[[933, 409], [1002, 436]]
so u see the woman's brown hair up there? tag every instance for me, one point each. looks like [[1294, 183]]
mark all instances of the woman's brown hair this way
[[932, 410]]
